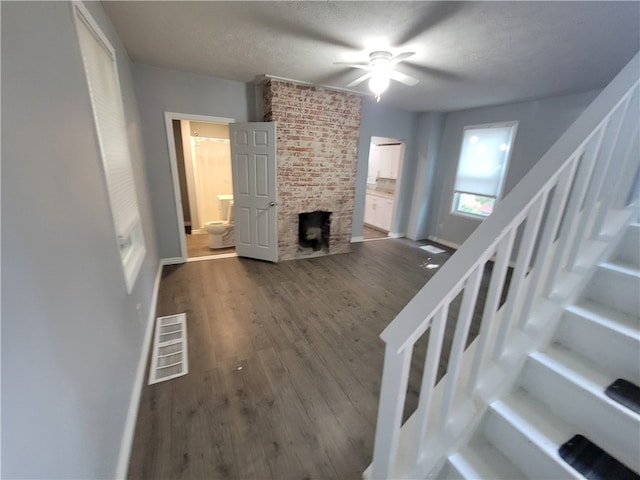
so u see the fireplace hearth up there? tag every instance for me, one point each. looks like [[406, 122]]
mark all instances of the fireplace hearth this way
[[314, 231]]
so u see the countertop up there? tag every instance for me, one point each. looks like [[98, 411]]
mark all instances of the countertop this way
[[378, 193]]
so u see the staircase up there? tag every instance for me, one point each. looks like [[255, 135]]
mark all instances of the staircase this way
[[532, 395], [560, 391]]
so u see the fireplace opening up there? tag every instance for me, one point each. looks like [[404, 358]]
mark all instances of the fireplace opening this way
[[314, 230]]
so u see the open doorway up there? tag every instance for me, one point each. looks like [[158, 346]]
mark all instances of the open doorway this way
[[202, 166], [383, 182]]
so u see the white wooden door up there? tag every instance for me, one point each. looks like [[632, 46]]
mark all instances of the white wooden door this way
[[253, 168]]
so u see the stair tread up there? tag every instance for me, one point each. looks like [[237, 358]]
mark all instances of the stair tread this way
[[621, 266], [481, 459], [574, 366], [581, 370], [618, 320], [538, 424]]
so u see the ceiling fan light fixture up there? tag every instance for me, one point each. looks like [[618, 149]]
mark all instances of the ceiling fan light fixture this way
[[378, 83]]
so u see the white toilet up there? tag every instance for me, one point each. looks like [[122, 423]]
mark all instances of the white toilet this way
[[221, 232]]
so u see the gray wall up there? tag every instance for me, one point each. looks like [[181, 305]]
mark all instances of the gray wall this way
[[160, 90], [428, 134], [382, 121], [71, 336], [542, 122]]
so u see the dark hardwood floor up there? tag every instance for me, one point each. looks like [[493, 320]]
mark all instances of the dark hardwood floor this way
[[284, 365]]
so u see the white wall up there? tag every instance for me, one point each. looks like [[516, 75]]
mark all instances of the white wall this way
[[541, 123], [160, 90], [71, 336]]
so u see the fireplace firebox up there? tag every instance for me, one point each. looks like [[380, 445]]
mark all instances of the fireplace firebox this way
[[314, 230]]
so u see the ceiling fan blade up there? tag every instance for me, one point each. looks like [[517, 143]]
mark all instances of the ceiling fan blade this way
[[362, 66], [402, 78], [434, 72], [359, 80], [400, 57]]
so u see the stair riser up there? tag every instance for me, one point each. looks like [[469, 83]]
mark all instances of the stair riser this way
[[629, 249], [612, 428], [616, 290], [613, 350], [515, 445]]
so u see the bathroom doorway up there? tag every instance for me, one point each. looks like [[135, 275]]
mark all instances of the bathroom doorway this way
[[203, 170]]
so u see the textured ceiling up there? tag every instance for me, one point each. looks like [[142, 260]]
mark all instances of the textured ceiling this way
[[468, 54]]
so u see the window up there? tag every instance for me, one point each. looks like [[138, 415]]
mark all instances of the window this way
[[99, 61], [482, 168]]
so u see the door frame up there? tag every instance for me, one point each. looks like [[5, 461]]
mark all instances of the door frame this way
[[169, 117], [399, 183]]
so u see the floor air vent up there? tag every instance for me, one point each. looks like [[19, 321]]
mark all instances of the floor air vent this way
[[170, 358]]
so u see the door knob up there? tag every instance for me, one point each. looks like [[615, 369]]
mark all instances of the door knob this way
[[272, 204]]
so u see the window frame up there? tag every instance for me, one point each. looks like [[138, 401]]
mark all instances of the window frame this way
[[454, 203], [129, 241]]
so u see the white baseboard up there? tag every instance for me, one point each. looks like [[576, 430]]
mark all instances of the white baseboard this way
[[172, 261], [134, 402], [446, 243], [357, 239], [396, 235]]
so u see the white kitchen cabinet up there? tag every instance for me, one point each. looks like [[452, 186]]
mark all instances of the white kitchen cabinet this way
[[378, 211], [369, 209], [384, 161]]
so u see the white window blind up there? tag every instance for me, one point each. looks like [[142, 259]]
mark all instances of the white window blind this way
[[483, 159], [104, 88]]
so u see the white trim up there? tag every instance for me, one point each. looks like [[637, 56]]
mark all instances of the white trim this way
[[357, 239], [189, 173], [172, 261], [171, 142], [134, 402], [211, 257], [470, 216], [446, 243], [81, 13], [396, 235], [266, 77], [396, 192]]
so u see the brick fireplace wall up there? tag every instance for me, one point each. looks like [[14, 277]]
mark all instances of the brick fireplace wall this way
[[317, 132]]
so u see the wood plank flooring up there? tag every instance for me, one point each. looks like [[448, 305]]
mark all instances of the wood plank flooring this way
[[285, 365], [370, 232]]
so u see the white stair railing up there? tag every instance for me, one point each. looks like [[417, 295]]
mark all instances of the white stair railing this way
[[557, 211]]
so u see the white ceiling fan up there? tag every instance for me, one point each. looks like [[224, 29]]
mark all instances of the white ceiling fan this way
[[380, 71]]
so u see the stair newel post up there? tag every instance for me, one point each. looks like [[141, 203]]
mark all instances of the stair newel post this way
[[498, 275], [393, 391], [471, 288], [626, 131], [542, 261], [430, 371], [512, 308]]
